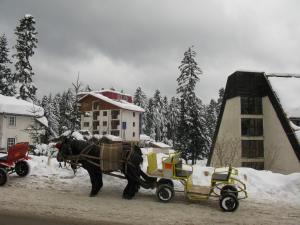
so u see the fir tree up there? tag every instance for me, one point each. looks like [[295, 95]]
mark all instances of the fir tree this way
[[158, 115], [140, 99], [26, 43], [191, 133], [7, 86], [149, 119], [172, 119]]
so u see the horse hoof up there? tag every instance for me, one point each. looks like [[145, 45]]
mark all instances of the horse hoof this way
[[93, 195], [127, 197]]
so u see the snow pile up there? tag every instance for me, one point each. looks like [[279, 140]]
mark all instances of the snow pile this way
[[46, 150]]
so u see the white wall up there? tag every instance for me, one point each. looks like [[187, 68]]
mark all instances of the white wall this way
[[124, 116], [229, 135], [18, 132], [279, 154]]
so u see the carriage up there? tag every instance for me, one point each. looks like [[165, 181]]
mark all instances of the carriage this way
[[224, 183], [15, 162]]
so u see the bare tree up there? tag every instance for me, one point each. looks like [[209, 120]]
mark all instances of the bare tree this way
[[75, 118], [226, 151]]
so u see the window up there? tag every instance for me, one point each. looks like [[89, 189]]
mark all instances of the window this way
[[95, 132], [104, 123], [96, 106], [115, 124], [252, 149], [124, 125], [133, 124], [295, 121], [252, 127], [104, 133], [10, 142], [115, 114], [254, 165], [95, 125], [133, 114], [104, 113], [251, 105], [86, 124], [133, 134], [115, 133], [95, 115], [12, 121]]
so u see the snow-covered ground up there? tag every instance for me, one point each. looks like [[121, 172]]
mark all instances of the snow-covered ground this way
[[261, 185]]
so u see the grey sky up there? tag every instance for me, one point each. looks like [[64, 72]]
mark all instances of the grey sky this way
[[131, 43]]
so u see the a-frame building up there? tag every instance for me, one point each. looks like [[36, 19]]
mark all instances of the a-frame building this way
[[259, 123]]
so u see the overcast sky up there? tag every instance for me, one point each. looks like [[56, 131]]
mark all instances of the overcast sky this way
[[129, 43]]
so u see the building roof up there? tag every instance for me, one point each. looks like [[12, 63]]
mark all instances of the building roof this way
[[282, 90], [12, 105], [120, 103], [287, 90]]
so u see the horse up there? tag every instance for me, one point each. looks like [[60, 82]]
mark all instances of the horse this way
[[70, 148]]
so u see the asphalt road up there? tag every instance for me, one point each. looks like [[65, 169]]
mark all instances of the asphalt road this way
[[14, 218]]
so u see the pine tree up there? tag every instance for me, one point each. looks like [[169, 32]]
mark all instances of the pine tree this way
[[149, 119], [26, 43], [165, 122], [190, 133], [7, 86], [158, 115], [140, 99], [220, 99], [172, 121]]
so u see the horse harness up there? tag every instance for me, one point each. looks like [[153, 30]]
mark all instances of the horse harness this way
[[83, 155]]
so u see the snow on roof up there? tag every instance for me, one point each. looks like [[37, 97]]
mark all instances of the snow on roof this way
[[144, 137], [287, 89], [122, 104], [11, 105], [43, 120], [160, 145], [117, 92]]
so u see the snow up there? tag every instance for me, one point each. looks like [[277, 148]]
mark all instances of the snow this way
[[160, 145], [144, 137], [11, 105], [287, 90], [121, 104], [43, 120]]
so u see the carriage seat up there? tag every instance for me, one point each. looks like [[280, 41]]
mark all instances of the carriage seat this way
[[220, 176], [181, 172]]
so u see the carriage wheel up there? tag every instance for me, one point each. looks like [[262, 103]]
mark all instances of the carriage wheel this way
[[22, 168], [228, 202], [229, 189], [3, 176], [165, 192]]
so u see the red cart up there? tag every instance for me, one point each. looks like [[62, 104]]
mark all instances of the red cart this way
[[15, 161]]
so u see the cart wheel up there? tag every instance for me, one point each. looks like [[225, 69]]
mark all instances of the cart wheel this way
[[165, 192], [22, 168], [229, 189], [228, 202], [3, 176]]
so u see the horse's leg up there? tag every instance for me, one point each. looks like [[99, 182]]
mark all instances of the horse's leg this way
[[96, 179]]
